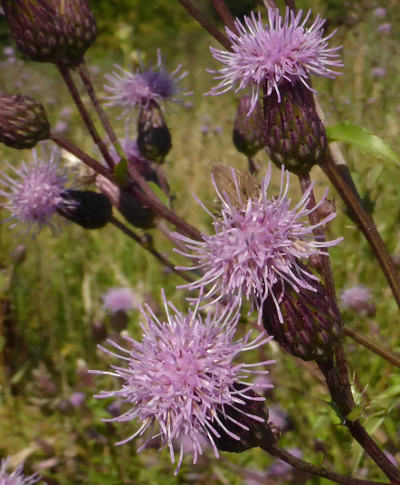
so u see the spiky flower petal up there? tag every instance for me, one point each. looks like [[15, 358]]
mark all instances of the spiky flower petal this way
[[258, 242], [130, 90], [264, 55], [16, 477], [182, 375], [34, 191]]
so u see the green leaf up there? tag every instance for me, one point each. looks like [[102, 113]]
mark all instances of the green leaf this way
[[121, 172], [159, 193], [362, 139]]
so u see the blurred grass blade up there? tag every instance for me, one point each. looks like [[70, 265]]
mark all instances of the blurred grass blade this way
[[362, 139]]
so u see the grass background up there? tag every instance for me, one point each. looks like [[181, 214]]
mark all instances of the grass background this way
[[51, 299]]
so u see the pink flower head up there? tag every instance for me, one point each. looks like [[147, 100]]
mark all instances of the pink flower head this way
[[265, 55], [16, 477], [34, 191], [258, 242], [181, 375], [119, 299], [357, 298], [133, 90]]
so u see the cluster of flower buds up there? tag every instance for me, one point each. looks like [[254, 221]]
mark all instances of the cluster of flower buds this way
[[57, 31]]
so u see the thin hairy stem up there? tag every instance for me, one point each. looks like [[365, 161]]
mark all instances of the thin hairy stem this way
[[211, 29], [225, 14], [145, 241], [386, 354], [66, 74], [285, 456], [252, 165]]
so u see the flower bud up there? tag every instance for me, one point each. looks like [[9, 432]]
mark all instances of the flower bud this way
[[248, 130], [80, 27], [37, 29], [23, 121], [293, 132], [154, 138], [248, 421], [310, 323], [88, 209]]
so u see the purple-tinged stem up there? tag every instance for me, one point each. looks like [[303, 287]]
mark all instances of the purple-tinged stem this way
[[252, 165], [365, 223], [386, 354], [66, 74], [84, 74], [225, 14], [147, 244], [211, 29], [84, 157], [285, 456]]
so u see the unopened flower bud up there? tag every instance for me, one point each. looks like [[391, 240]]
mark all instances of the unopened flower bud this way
[[154, 138], [309, 324], [23, 121], [293, 132], [37, 29], [251, 424], [88, 209], [119, 320], [99, 331], [80, 27], [248, 130]]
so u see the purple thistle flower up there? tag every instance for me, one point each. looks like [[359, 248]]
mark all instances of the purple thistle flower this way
[[182, 375], [133, 90], [385, 28], [119, 299], [357, 298], [34, 191], [264, 55], [16, 477], [258, 243]]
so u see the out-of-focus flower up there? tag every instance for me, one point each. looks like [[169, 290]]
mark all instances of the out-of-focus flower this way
[[378, 72], [385, 28], [130, 90], [77, 399], [258, 241], [358, 299], [380, 12], [119, 299], [34, 192], [283, 50], [181, 379], [16, 477]]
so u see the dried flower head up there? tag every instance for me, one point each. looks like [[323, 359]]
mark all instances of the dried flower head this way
[[264, 55], [119, 299], [258, 242], [34, 191], [16, 477], [182, 376], [153, 83]]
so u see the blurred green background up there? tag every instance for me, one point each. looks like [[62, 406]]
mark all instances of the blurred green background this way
[[50, 301]]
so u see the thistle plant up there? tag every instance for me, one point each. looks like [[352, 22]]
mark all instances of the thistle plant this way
[[265, 261]]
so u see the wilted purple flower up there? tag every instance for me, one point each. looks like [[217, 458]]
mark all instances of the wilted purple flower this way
[[16, 477], [258, 242], [357, 299], [182, 375], [36, 192], [264, 55], [133, 90], [378, 72], [119, 299], [380, 12], [385, 28]]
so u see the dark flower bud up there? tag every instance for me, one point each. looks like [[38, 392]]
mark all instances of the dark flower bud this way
[[80, 27], [99, 331], [248, 421], [311, 321], [248, 130], [119, 320], [154, 138], [86, 208], [293, 132], [37, 29], [23, 121]]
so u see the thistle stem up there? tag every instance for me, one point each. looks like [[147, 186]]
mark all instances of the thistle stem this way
[[225, 14], [211, 29], [377, 349], [365, 223], [146, 243], [285, 456], [66, 74], [252, 165], [84, 74]]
